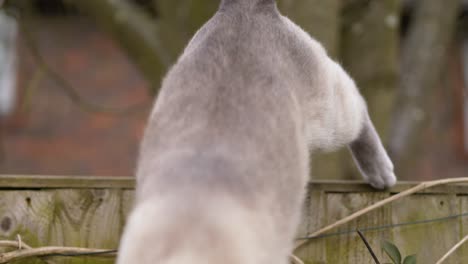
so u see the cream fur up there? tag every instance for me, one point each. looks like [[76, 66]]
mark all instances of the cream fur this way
[[224, 161]]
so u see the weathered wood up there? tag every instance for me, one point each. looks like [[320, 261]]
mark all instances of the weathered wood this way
[[359, 186], [28, 213], [463, 251], [86, 218], [429, 241], [350, 249], [18, 182], [91, 211], [313, 216], [127, 200], [55, 182], [65, 217]]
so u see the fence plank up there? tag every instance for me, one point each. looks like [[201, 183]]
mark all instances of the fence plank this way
[[28, 213], [432, 240], [90, 212], [350, 248], [54, 182], [86, 218], [127, 203], [313, 216], [462, 252]]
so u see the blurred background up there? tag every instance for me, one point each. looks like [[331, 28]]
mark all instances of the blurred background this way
[[78, 79]]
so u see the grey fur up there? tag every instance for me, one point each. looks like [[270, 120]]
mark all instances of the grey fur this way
[[224, 160]]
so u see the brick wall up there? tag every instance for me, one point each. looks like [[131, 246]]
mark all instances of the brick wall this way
[[54, 135]]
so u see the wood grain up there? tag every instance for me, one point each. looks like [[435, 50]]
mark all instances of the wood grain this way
[[91, 212]]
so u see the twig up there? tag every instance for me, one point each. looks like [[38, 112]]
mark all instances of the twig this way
[[368, 246], [53, 251], [389, 226], [16, 244], [381, 203], [28, 252], [452, 250], [20, 242], [295, 260], [12, 244]]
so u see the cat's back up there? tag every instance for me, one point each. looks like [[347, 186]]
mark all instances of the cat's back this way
[[235, 59], [241, 75], [253, 46], [229, 95], [235, 42]]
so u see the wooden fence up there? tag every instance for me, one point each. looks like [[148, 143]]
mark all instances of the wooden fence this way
[[90, 212]]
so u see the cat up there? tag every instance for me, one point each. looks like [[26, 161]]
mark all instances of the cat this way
[[225, 157]]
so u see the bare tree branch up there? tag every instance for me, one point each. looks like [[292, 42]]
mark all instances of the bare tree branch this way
[[369, 248], [21, 9], [135, 30], [25, 251], [452, 250], [295, 260], [65, 85]]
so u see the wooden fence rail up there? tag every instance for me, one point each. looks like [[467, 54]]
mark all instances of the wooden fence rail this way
[[91, 211]]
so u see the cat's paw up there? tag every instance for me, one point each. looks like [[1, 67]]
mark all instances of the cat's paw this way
[[383, 181], [382, 175]]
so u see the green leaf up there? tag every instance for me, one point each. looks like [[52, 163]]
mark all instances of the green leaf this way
[[410, 259], [392, 251]]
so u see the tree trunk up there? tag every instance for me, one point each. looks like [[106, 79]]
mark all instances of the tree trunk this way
[[423, 59], [8, 34]]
